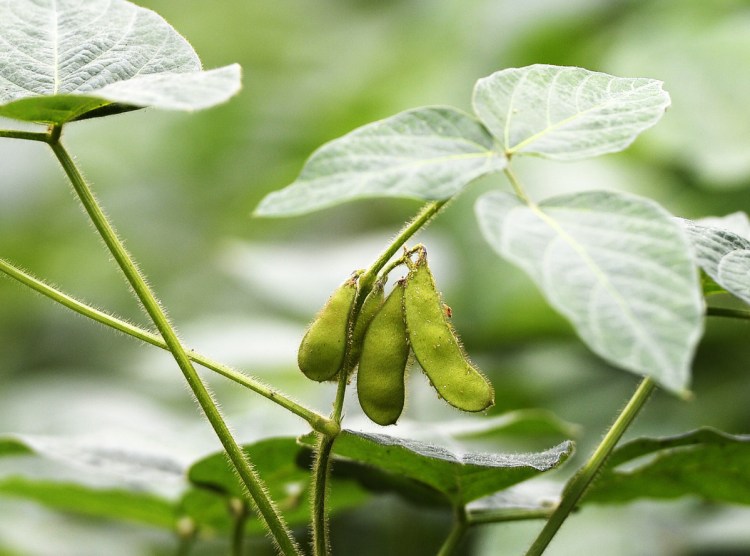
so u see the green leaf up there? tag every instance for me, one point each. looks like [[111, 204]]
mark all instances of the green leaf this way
[[118, 504], [427, 153], [61, 61], [617, 266], [566, 113], [523, 501], [285, 468], [524, 423], [460, 477], [722, 250], [706, 463]]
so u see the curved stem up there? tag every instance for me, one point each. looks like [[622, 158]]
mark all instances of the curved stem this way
[[322, 466], [255, 488], [317, 422], [456, 535], [730, 313], [578, 484]]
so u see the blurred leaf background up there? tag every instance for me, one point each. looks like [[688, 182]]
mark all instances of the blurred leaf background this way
[[181, 189]]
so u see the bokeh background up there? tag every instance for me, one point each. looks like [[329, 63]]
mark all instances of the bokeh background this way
[[181, 188]]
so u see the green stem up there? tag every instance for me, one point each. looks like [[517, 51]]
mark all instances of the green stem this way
[[28, 135], [238, 527], [456, 535], [730, 313], [516, 184], [578, 484], [322, 466], [321, 474], [317, 422], [255, 488], [506, 515]]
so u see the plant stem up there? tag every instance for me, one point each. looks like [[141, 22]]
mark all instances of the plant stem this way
[[318, 422], [516, 184], [730, 313], [255, 488], [322, 465], [504, 516], [28, 135], [456, 535], [238, 527], [578, 484]]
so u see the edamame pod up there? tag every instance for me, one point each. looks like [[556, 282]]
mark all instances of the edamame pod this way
[[436, 346], [370, 307], [382, 364], [321, 353]]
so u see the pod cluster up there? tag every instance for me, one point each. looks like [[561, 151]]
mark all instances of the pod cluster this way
[[412, 319]]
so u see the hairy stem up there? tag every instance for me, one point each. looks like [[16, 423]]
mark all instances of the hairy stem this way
[[322, 466], [317, 422], [456, 535], [578, 484], [253, 483]]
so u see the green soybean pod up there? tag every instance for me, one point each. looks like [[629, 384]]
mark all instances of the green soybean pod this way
[[321, 353], [370, 306], [436, 346], [382, 364]]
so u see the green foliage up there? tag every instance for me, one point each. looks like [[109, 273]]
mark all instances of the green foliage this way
[[65, 61], [618, 266], [634, 299], [459, 477]]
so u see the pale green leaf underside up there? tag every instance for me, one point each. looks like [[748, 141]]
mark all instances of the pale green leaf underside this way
[[428, 153], [62, 59], [617, 266], [566, 113], [460, 477], [706, 463], [723, 254]]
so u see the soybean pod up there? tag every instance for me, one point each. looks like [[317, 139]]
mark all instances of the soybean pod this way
[[321, 353], [383, 361], [370, 306], [436, 346]]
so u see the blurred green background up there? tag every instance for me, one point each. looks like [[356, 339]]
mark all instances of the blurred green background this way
[[181, 188]]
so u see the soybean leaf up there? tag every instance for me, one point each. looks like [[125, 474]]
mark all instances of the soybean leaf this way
[[566, 113], [66, 60], [706, 463], [428, 153], [722, 250], [285, 468], [118, 504], [523, 501], [617, 266], [459, 477]]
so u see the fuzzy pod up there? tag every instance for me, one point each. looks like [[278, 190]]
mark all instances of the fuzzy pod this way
[[383, 361], [321, 353], [436, 346], [370, 307]]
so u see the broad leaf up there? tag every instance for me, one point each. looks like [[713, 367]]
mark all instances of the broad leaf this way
[[65, 60], [722, 250], [566, 113], [96, 458], [617, 266], [118, 504], [460, 477], [706, 463], [427, 153], [285, 468]]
